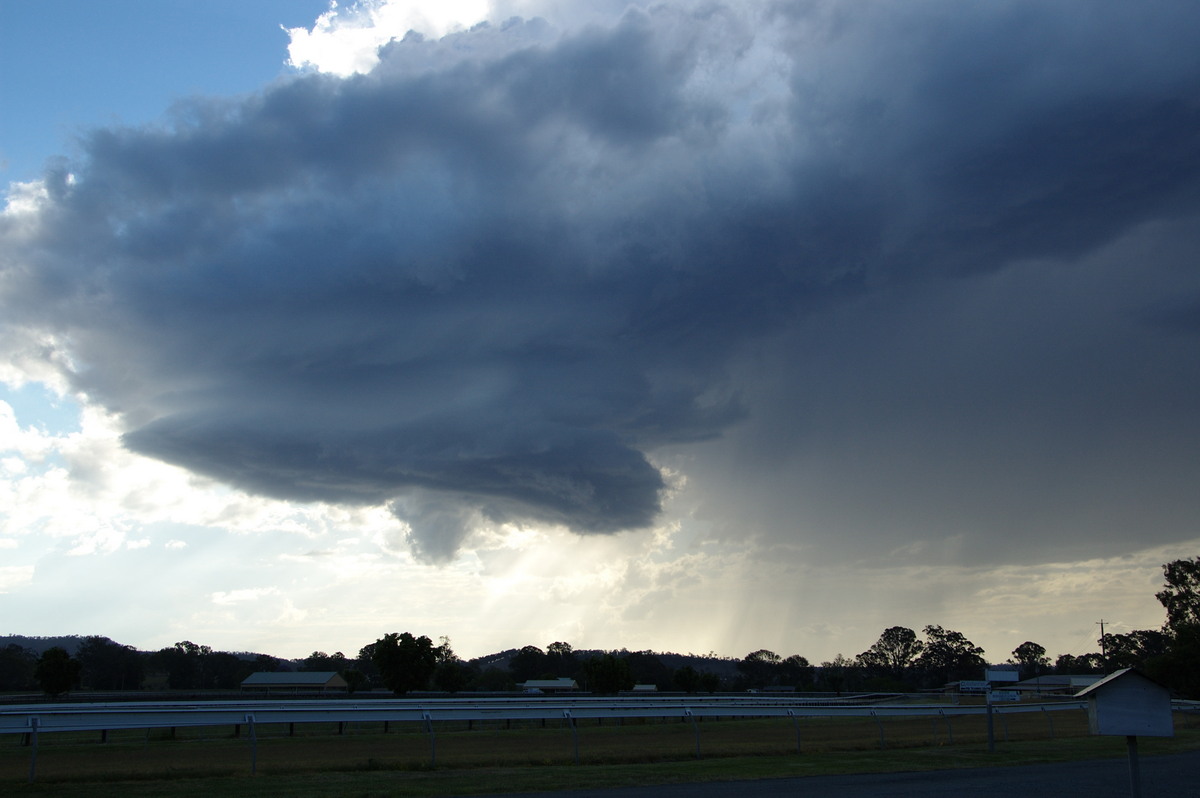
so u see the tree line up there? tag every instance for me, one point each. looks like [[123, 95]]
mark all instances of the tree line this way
[[900, 660]]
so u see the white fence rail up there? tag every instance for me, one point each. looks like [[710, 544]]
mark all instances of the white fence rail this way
[[34, 719], [137, 715]]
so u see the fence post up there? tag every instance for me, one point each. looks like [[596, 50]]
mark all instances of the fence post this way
[[33, 730], [1135, 775], [428, 718], [253, 745], [574, 732], [879, 723], [687, 713], [1049, 720]]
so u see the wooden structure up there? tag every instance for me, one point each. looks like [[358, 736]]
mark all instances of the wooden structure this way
[[1129, 703]]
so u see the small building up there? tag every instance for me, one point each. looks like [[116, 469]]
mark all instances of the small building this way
[[1129, 704], [300, 682], [559, 685]]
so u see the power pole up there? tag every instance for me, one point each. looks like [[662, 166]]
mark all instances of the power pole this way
[[1103, 652]]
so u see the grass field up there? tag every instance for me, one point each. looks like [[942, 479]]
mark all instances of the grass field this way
[[363, 760]]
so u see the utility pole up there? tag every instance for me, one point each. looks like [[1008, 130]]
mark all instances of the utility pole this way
[[1103, 652]]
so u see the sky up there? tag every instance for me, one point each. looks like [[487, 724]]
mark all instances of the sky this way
[[683, 326]]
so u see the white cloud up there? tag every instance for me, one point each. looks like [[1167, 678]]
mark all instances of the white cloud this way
[[244, 595], [14, 577], [27, 443], [31, 356], [102, 538], [12, 466], [25, 199], [346, 40]]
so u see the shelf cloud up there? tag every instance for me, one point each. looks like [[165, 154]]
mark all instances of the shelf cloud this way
[[924, 269]]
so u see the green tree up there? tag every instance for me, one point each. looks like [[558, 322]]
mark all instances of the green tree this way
[[948, 656], [893, 653], [1066, 663], [838, 674], [1134, 649], [1179, 666], [687, 679], [224, 670], [16, 667], [1180, 595], [186, 664], [108, 665], [760, 668], [444, 651], [405, 662], [796, 671], [450, 673], [645, 667], [606, 673], [355, 680], [265, 663], [561, 659], [452, 676], [709, 682], [1085, 663], [1031, 657], [529, 663], [319, 661], [494, 680], [57, 671]]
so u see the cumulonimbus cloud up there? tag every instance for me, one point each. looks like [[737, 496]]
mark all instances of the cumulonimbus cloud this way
[[488, 278]]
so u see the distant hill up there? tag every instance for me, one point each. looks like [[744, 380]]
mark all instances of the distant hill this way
[[724, 667], [71, 643], [721, 666], [40, 645], [498, 660]]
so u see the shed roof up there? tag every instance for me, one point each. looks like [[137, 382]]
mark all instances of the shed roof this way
[[561, 683], [1125, 674], [1128, 703], [297, 679], [1055, 681]]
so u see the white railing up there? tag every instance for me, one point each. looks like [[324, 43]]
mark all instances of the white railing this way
[[168, 714], [34, 719]]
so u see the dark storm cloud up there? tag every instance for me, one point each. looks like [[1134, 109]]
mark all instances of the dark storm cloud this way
[[485, 280]]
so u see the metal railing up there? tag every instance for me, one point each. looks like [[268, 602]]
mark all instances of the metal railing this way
[[168, 714], [35, 719]]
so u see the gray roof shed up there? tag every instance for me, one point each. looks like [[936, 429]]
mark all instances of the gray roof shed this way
[[1130, 704], [295, 682]]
